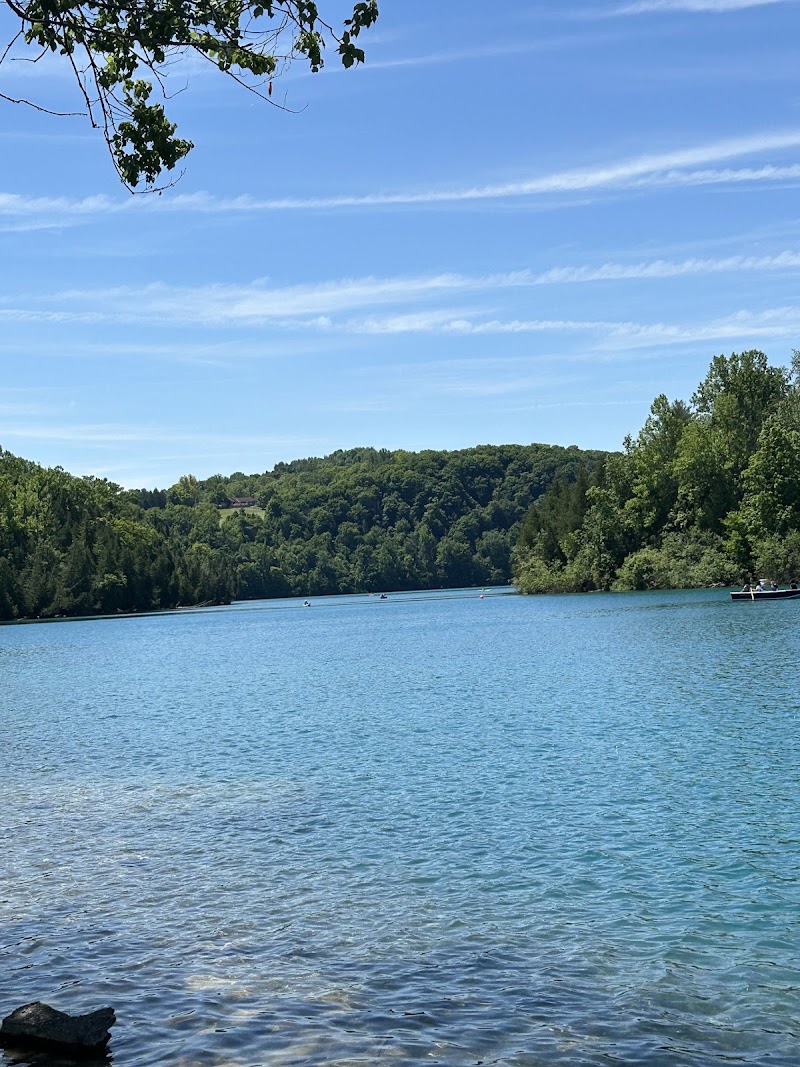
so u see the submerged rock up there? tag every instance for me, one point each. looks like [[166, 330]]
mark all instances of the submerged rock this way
[[38, 1025]]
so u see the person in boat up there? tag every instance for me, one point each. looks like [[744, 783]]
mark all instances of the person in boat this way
[[761, 587], [793, 583], [746, 587], [773, 586]]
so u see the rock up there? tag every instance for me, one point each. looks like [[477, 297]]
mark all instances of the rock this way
[[38, 1025]]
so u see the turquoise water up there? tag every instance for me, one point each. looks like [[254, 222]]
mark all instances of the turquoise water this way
[[453, 830]]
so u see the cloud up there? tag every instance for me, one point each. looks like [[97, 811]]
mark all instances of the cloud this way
[[15, 204], [715, 7], [120, 434], [19, 213], [450, 322], [14, 314], [727, 176], [677, 167], [20, 410], [320, 307], [664, 268], [492, 386], [257, 302], [499, 49], [664, 168], [104, 450], [740, 327], [533, 380]]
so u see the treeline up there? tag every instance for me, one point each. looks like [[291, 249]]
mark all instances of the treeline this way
[[707, 493], [364, 520], [360, 520], [82, 546]]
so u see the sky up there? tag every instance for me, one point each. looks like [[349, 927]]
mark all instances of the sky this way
[[503, 228]]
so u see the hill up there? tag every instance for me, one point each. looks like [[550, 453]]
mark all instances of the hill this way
[[357, 520]]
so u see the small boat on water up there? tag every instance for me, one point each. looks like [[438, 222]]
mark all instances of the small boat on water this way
[[766, 594]]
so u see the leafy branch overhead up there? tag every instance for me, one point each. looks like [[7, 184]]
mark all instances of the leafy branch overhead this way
[[120, 51]]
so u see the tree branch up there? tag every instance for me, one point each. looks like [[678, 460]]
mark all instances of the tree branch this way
[[44, 110], [249, 40]]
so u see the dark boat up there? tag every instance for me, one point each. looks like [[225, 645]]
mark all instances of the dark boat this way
[[767, 594]]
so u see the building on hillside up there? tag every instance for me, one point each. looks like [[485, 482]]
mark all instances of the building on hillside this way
[[241, 502]]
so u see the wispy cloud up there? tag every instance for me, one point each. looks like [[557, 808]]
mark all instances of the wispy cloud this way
[[258, 302], [739, 327], [665, 268], [534, 380], [20, 410], [320, 306], [715, 7], [107, 449], [17, 205], [679, 167], [27, 314], [121, 434], [494, 50], [449, 322], [20, 213], [726, 176]]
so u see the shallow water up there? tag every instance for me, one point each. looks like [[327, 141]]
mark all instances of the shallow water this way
[[441, 829]]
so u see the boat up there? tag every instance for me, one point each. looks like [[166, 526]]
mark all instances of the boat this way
[[767, 594]]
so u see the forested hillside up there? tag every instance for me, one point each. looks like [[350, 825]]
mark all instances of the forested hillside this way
[[361, 520], [708, 493], [367, 519], [82, 546]]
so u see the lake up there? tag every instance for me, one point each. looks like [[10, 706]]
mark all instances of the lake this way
[[433, 829]]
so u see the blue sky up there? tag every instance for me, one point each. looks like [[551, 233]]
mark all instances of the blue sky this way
[[501, 229]]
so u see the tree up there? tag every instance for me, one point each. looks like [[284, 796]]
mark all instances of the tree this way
[[652, 455], [772, 480], [739, 393], [109, 44], [701, 495], [737, 396]]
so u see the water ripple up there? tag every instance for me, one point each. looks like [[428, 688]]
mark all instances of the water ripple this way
[[504, 831]]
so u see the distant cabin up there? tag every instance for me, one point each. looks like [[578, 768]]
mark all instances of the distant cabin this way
[[241, 501]]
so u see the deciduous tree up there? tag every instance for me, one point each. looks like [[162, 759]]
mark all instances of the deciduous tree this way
[[120, 51]]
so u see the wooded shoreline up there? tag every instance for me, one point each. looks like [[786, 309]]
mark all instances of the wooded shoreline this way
[[707, 495], [357, 521]]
